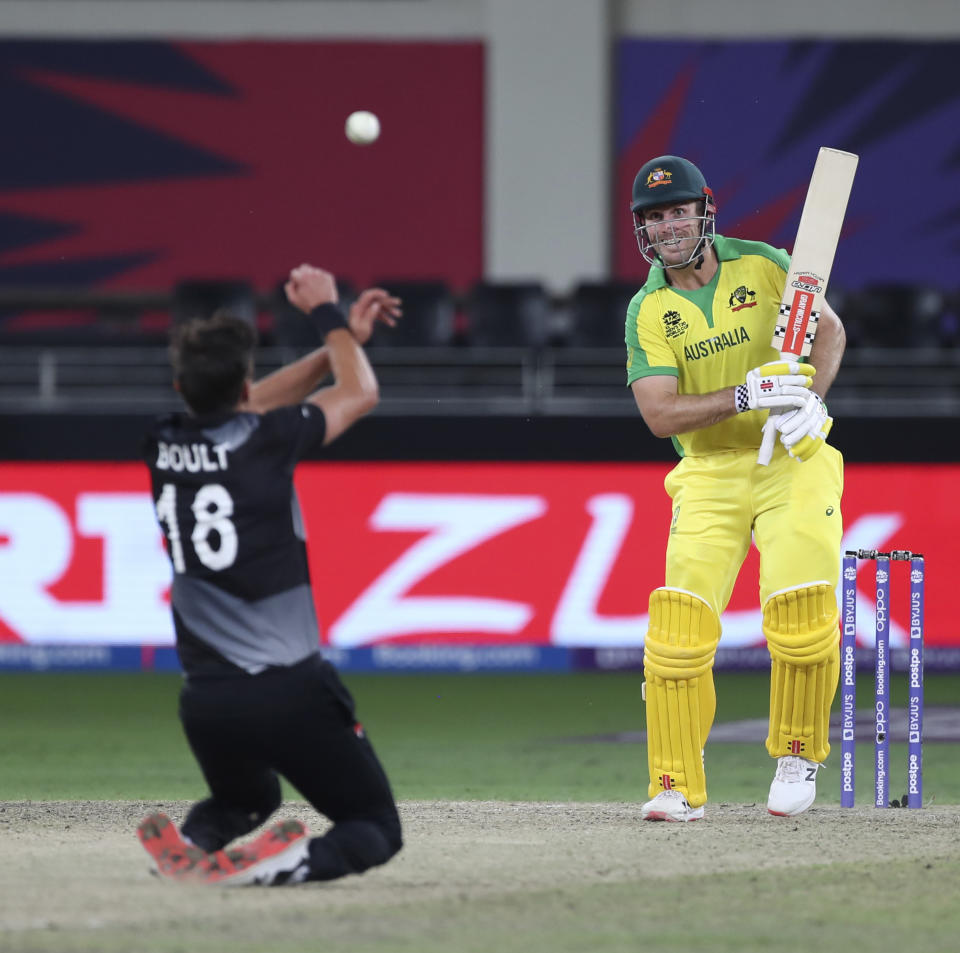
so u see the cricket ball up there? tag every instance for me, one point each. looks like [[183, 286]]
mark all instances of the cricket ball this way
[[362, 127]]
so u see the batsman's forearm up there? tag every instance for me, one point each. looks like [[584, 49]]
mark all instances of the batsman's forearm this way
[[291, 384], [681, 413], [827, 350]]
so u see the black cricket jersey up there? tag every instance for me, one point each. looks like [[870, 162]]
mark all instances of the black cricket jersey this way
[[225, 501]]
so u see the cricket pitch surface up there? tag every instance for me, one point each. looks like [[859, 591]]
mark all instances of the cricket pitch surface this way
[[500, 876]]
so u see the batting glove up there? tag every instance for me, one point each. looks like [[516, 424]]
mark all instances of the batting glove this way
[[778, 386], [804, 431]]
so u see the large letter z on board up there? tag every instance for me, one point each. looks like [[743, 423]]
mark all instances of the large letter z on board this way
[[455, 524]]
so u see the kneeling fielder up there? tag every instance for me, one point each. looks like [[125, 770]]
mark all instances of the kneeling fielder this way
[[258, 701]]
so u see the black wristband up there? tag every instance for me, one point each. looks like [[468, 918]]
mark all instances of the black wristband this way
[[328, 317], [742, 398]]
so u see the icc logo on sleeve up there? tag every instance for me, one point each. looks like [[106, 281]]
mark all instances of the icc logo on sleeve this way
[[673, 324]]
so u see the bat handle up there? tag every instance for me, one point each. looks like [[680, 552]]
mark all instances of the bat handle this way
[[769, 440]]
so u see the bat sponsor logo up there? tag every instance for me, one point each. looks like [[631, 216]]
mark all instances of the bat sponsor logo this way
[[659, 177], [742, 298], [797, 325], [807, 281]]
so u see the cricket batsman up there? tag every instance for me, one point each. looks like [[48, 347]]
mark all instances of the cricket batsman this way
[[703, 372]]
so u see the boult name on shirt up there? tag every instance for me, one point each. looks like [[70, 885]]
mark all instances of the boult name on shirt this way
[[192, 457]]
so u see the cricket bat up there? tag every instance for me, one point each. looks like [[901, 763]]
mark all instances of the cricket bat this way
[[810, 264]]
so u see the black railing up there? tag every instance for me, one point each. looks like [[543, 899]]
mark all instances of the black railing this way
[[70, 350]]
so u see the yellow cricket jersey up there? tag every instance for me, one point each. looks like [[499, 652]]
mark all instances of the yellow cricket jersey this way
[[709, 338]]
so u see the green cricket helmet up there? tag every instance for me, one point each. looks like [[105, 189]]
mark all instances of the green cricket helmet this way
[[668, 180]]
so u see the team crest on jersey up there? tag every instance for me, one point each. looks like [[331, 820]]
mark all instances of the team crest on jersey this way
[[659, 177], [742, 298], [673, 324]]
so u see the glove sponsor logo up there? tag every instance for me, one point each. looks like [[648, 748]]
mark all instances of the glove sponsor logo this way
[[766, 386], [742, 298], [659, 177], [673, 324], [808, 282]]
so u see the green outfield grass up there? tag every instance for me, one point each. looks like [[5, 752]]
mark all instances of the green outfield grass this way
[[461, 737]]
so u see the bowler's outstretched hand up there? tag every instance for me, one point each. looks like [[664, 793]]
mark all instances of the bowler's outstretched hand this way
[[309, 287], [372, 306]]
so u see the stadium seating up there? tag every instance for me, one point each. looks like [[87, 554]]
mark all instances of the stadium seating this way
[[199, 298], [895, 315], [507, 314], [429, 315], [596, 314]]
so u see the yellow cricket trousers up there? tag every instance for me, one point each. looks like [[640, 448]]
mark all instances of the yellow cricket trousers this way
[[791, 508]]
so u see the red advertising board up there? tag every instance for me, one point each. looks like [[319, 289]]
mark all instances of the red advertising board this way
[[546, 553]]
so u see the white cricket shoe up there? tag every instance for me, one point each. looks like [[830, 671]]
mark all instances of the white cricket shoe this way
[[794, 786], [670, 806]]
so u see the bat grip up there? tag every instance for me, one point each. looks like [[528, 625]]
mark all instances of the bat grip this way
[[769, 440]]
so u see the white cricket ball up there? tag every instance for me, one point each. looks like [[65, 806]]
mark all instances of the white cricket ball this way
[[362, 127]]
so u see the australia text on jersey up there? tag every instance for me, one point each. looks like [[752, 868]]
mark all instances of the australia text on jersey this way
[[719, 342]]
